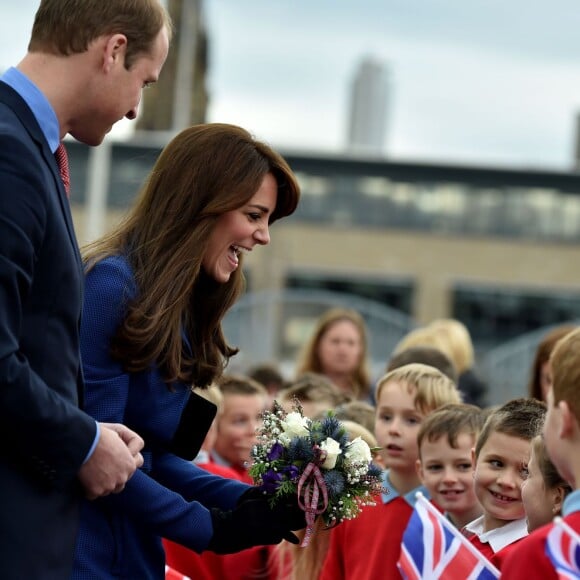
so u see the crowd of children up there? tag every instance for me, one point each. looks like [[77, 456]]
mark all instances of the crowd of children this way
[[490, 472], [405, 396]]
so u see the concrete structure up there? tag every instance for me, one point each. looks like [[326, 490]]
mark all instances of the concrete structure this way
[[368, 108], [180, 97]]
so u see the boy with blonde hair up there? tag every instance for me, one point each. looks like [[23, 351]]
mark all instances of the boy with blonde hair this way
[[445, 441], [500, 459], [315, 393], [203, 459], [562, 437], [244, 401], [369, 546]]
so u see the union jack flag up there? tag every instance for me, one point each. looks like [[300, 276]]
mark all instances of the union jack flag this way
[[563, 549], [433, 548], [172, 574]]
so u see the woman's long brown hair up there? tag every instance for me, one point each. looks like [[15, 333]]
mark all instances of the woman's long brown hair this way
[[205, 171]]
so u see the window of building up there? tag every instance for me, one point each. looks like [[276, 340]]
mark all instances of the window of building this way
[[397, 294], [494, 315]]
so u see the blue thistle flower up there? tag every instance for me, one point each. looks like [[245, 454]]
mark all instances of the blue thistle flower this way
[[335, 483], [374, 471], [316, 433], [300, 449], [332, 427]]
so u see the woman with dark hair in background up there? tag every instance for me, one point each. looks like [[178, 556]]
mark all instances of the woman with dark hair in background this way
[[541, 373]]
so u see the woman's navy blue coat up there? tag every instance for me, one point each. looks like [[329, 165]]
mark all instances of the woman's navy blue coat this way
[[120, 535]]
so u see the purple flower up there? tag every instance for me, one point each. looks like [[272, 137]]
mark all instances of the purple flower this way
[[271, 481], [291, 472], [275, 452]]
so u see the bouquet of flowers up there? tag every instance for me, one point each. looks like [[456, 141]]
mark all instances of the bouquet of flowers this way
[[315, 461]]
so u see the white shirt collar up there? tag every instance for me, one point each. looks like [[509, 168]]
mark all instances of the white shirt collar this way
[[499, 537]]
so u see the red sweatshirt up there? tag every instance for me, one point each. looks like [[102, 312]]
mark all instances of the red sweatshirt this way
[[529, 560], [369, 546]]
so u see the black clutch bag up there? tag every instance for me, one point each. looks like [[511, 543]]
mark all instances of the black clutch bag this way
[[194, 424]]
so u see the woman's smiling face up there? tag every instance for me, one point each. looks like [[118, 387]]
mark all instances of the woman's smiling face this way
[[240, 230]]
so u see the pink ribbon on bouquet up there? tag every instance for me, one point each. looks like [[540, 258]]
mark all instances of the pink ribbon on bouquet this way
[[310, 486]]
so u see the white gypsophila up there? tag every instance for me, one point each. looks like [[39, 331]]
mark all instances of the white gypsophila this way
[[333, 450], [357, 451]]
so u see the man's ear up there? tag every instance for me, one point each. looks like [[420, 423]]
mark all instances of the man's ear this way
[[114, 51]]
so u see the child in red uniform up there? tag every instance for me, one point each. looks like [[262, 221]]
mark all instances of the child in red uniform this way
[[501, 458], [205, 566], [368, 547], [244, 401], [562, 439], [240, 401], [544, 490], [315, 392], [445, 441]]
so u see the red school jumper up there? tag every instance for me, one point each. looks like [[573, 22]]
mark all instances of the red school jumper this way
[[369, 546], [250, 563], [529, 559], [206, 566]]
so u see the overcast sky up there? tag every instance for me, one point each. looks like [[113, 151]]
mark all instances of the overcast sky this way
[[483, 82]]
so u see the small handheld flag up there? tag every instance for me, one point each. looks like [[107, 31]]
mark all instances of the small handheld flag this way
[[432, 547], [563, 549], [172, 574]]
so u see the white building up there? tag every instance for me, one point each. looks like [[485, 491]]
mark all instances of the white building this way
[[368, 108]]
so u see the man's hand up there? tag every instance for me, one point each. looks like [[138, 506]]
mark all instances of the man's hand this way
[[131, 439], [114, 460]]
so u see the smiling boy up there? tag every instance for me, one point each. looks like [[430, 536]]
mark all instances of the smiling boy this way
[[500, 458], [445, 441]]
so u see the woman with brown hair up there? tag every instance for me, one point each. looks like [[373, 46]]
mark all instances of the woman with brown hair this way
[[541, 373], [337, 349], [157, 289]]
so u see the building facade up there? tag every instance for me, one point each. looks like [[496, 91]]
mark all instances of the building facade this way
[[496, 248]]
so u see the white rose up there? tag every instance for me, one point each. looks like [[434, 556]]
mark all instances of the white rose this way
[[357, 451], [333, 450], [295, 425]]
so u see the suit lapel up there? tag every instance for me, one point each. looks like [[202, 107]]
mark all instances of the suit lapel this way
[[13, 100]]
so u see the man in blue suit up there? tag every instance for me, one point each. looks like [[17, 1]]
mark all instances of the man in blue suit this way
[[86, 65]]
